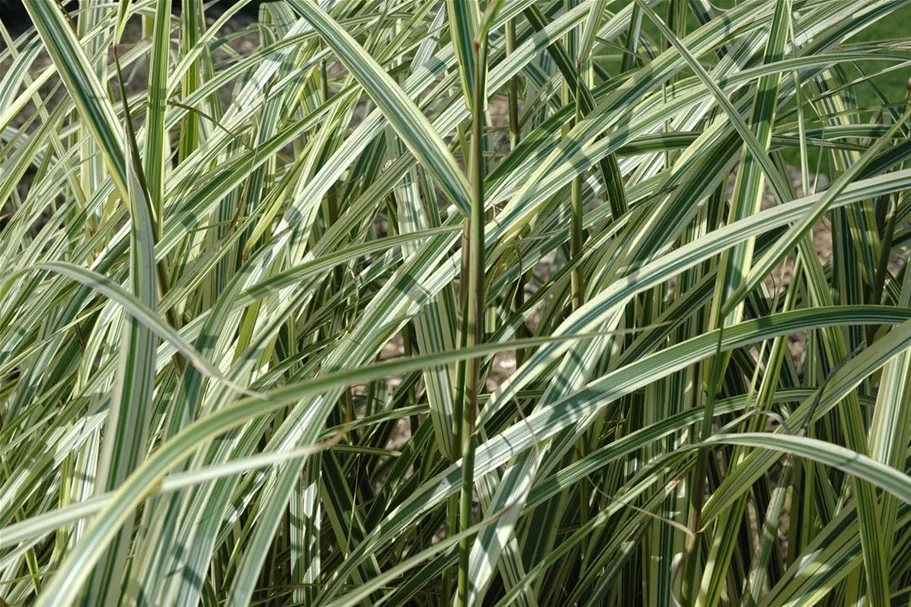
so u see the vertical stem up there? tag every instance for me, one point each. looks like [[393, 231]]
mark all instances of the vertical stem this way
[[577, 288], [458, 408], [879, 279], [575, 237], [475, 308], [190, 128], [458, 405], [697, 490], [515, 135], [412, 399], [512, 89]]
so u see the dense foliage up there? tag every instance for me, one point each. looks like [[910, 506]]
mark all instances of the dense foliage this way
[[428, 302]]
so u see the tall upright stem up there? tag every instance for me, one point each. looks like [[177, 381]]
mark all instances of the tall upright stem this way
[[475, 310], [515, 135], [576, 233], [697, 490], [512, 89]]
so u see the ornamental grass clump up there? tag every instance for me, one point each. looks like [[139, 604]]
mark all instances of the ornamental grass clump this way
[[444, 302]]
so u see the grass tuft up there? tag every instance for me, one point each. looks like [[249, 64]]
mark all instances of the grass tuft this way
[[445, 302]]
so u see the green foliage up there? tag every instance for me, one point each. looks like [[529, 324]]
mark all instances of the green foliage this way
[[436, 302]]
